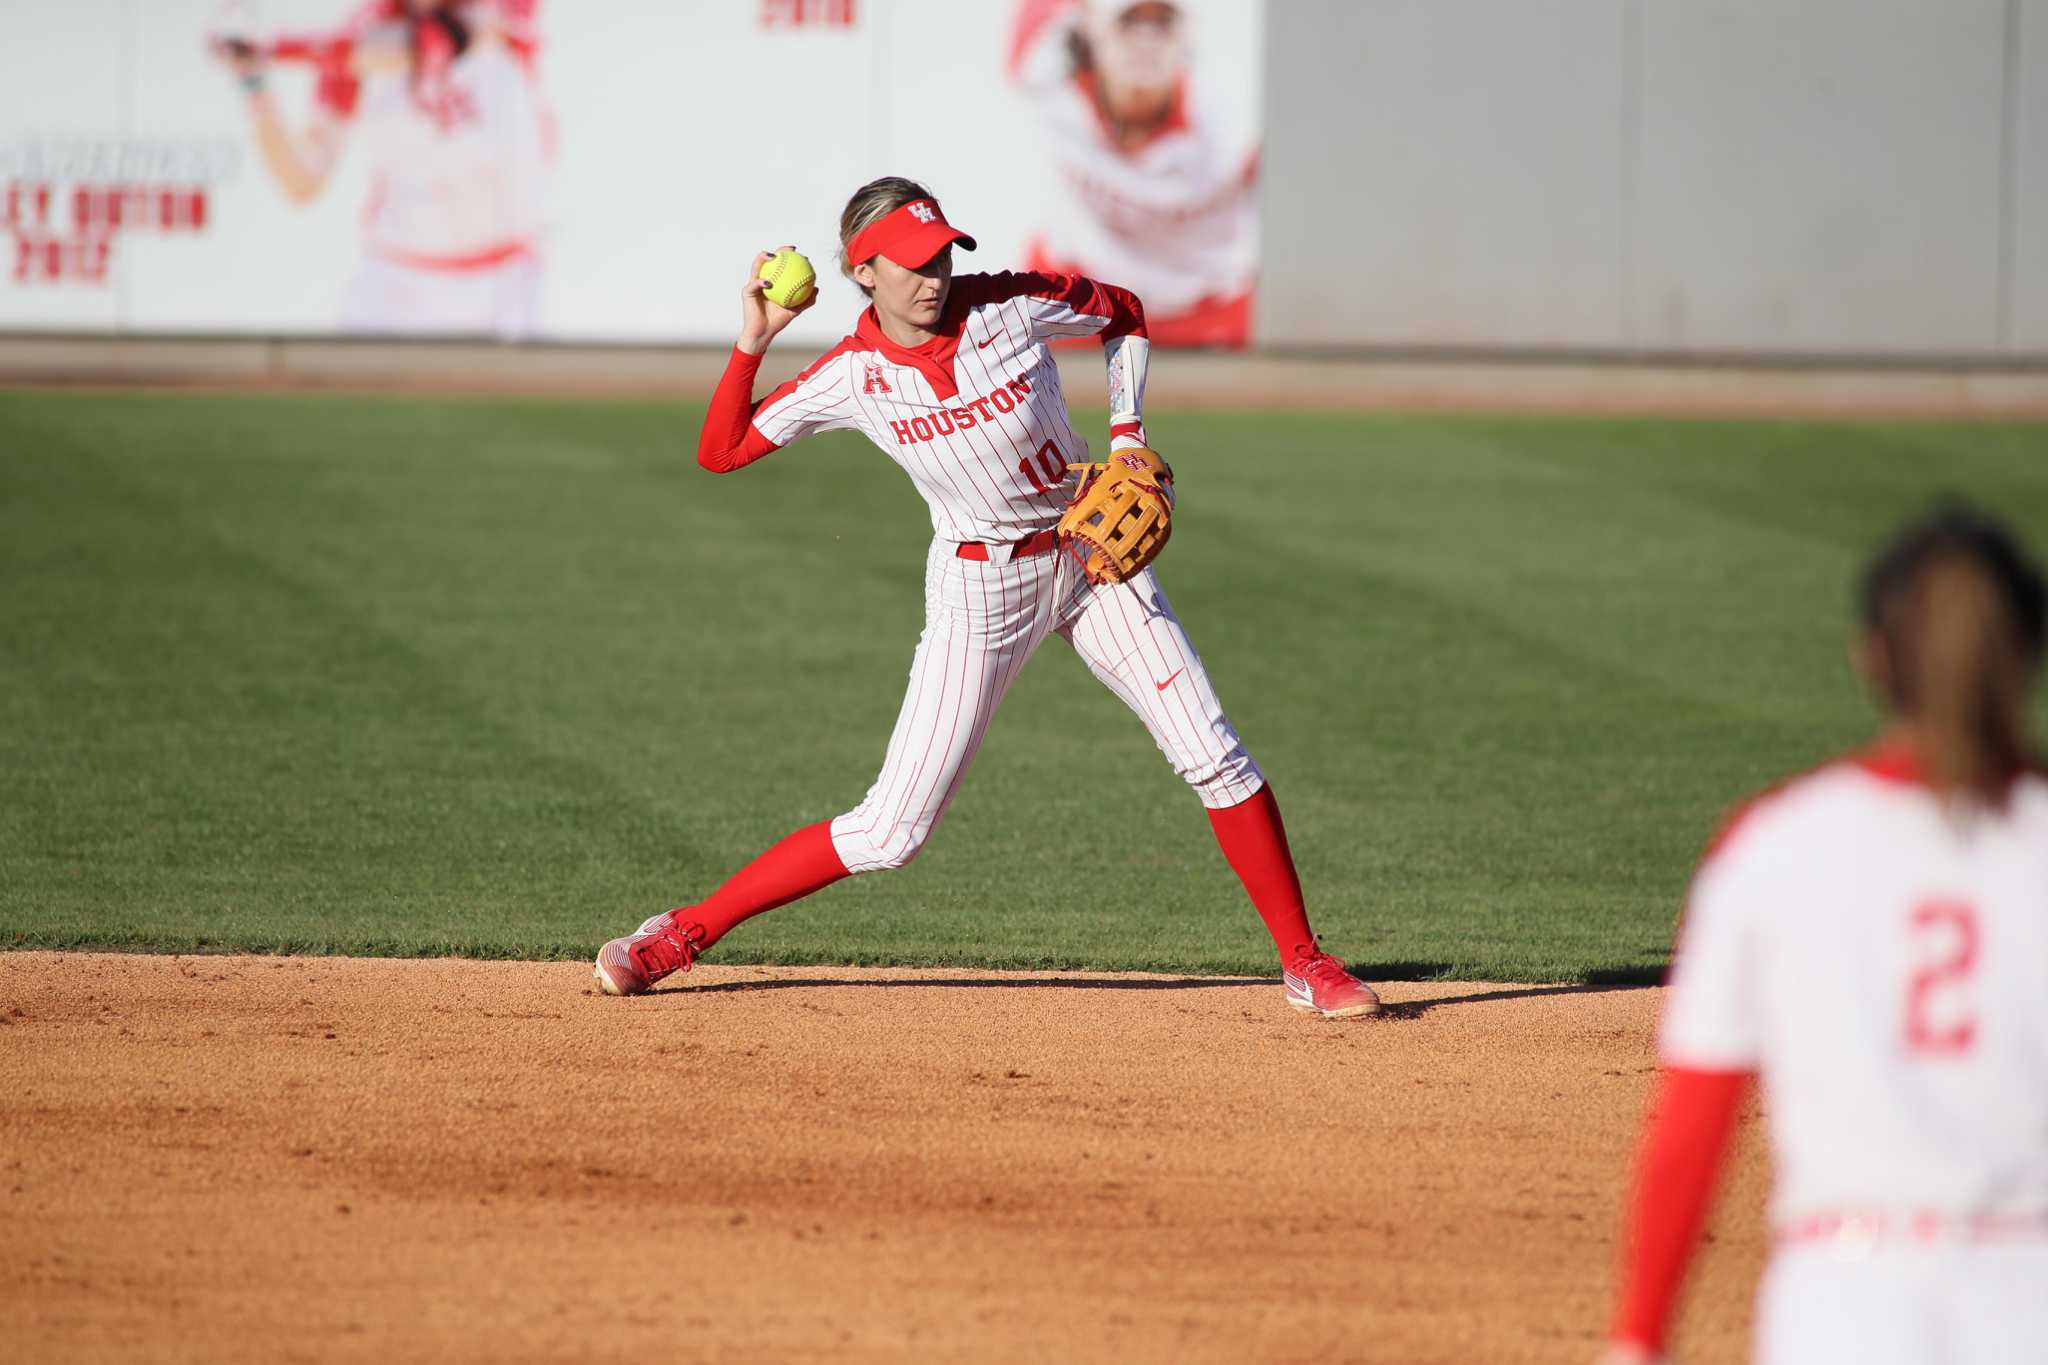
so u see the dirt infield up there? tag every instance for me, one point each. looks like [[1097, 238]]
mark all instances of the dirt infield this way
[[270, 1159]]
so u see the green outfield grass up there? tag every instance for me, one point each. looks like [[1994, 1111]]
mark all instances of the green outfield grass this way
[[502, 677]]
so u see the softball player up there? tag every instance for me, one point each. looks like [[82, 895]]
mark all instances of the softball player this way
[[1871, 939], [448, 99], [953, 379]]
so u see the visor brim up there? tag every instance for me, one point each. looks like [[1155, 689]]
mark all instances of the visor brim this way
[[916, 248]]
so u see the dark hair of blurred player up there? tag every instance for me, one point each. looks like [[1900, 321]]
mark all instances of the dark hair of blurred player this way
[[1953, 618]]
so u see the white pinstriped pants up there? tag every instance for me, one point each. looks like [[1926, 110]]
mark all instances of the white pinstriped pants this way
[[983, 621]]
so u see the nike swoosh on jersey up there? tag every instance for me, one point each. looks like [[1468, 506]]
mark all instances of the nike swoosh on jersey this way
[[984, 345], [1169, 679]]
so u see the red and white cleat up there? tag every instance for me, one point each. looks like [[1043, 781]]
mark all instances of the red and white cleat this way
[[661, 947], [1319, 984]]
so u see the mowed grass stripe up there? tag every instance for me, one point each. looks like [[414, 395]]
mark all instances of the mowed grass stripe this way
[[269, 751], [410, 676]]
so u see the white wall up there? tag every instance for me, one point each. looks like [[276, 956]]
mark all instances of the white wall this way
[[67, 74], [1449, 169], [683, 154], [2029, 235], [1821, 176], [1825, 176], [1674, 176]]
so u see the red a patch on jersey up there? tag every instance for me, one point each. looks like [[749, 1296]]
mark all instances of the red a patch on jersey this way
[[875, 381]]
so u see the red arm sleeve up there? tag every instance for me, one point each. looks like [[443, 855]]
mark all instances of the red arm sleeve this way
[[729, 440], [1086, 302], [1091, 297], [1126, 314], [1684, 1140]]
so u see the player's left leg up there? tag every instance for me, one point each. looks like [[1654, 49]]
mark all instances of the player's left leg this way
[[793, 867], [1131, 640]]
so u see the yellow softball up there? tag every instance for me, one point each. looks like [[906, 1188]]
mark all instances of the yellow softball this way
[[791, 281]]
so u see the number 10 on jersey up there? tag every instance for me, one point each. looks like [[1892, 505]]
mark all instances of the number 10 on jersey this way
[[1046, 458]]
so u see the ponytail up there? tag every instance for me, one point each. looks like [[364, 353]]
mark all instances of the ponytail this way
[[1967, 683], [1958, 614]]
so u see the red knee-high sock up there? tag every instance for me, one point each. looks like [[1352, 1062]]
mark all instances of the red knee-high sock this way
[[792, 869], [1255, 844]]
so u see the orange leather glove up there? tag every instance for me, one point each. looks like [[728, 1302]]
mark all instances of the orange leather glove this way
[[1121, 514]]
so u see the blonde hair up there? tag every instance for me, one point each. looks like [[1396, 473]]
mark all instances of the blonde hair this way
[[870, 204]]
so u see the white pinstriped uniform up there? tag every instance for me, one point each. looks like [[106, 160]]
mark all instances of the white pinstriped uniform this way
[[963, 450], [989, 460]]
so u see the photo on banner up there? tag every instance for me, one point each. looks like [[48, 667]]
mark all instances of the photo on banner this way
[[446, 99], [1155, 191], [508, 169]]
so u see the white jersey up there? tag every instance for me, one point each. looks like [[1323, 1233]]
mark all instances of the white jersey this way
[[456, 161], [976, 419], [1885, 968]]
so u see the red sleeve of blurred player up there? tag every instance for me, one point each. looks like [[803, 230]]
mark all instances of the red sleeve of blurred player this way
[[1684, 1140], [729, 440]]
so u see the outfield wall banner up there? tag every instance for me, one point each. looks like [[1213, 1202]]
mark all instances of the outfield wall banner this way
[[596, 172]]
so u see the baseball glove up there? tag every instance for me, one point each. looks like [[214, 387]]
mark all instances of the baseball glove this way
[[1119, 518]]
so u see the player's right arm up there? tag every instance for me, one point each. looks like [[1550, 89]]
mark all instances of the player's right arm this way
[[299, 164], [762, 320], [1710, 1050], [730, 439]]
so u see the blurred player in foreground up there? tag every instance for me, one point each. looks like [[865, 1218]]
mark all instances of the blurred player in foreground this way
[[1871, 939], [953, 378], [448, 98]]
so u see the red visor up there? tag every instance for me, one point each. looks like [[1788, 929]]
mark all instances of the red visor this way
[[910, 236]]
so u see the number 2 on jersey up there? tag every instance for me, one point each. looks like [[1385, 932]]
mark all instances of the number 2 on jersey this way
[[1944, 951], [1048, 457]]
